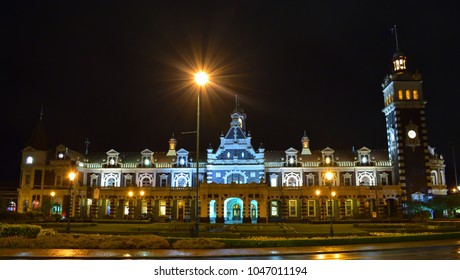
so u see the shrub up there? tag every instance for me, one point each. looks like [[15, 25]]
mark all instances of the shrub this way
[[15, 242], [28, 231], [200, 243], [47, 231], [58, 241]]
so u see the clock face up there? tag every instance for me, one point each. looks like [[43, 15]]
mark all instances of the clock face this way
[[412, 134]]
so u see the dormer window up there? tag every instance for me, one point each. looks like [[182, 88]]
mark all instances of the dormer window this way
[[60, 155], [112, 161], [291, 156], [364, 156], [328, 156], [182, 158], [146, 162], [29, 160]]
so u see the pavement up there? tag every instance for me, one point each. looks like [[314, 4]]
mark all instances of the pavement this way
[[92, 254]]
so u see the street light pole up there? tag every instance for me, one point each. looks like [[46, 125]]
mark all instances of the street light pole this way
[[72, 176], [201, 79], [197, 219], [329, 177]]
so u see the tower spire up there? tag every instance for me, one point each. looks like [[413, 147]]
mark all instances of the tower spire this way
[[395, 31], [236, 103], [87, 145]]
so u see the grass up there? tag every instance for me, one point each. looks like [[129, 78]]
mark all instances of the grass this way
[[94, 241], [177, 236]]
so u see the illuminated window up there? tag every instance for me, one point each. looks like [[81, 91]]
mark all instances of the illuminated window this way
[[408, 94], [162, 209], [274, 208], [311, 206], [292, 208], [349, 207], [273, 180], [328, 160], [415, 94], [330, 207], [61, 155], [400, 94], [29, 160]]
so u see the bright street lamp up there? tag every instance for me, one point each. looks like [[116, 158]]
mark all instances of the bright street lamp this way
[[201, 78]]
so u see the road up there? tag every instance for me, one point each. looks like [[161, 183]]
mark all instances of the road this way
[[426, 250]]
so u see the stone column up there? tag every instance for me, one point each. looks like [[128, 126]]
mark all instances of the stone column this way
[[93, 208], [168, 209], [246, 210], [342, 207], [219, 211], [303, 209], [113, 209]]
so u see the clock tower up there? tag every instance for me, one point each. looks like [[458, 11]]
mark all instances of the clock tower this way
[[406, 128]]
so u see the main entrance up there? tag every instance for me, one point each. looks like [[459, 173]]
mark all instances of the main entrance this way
[[233, 210]]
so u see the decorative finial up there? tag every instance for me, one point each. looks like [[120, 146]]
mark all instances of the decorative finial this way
[[87, 145]]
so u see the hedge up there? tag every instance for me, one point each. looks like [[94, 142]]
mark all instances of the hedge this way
[[28, 231]]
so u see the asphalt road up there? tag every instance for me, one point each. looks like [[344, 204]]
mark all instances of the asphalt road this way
[[426, 250]]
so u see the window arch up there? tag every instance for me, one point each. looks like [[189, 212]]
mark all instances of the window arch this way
[[366, 178], [145, 180], [111, 180], [181, 180], [292, 179], [237, 177]]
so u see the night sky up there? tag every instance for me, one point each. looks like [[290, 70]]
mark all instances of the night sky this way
[[120, 72]]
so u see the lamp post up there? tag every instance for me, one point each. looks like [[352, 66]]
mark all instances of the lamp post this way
[[201, 78], [72, 176], [329, 177], [52, 194]]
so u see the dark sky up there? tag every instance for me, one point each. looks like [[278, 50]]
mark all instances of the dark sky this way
[[120, 72]]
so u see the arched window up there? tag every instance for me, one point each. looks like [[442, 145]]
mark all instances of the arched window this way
[[111, 182], [415, 93], [408, 94], [400, 94], [434, 178], [146, 182]]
